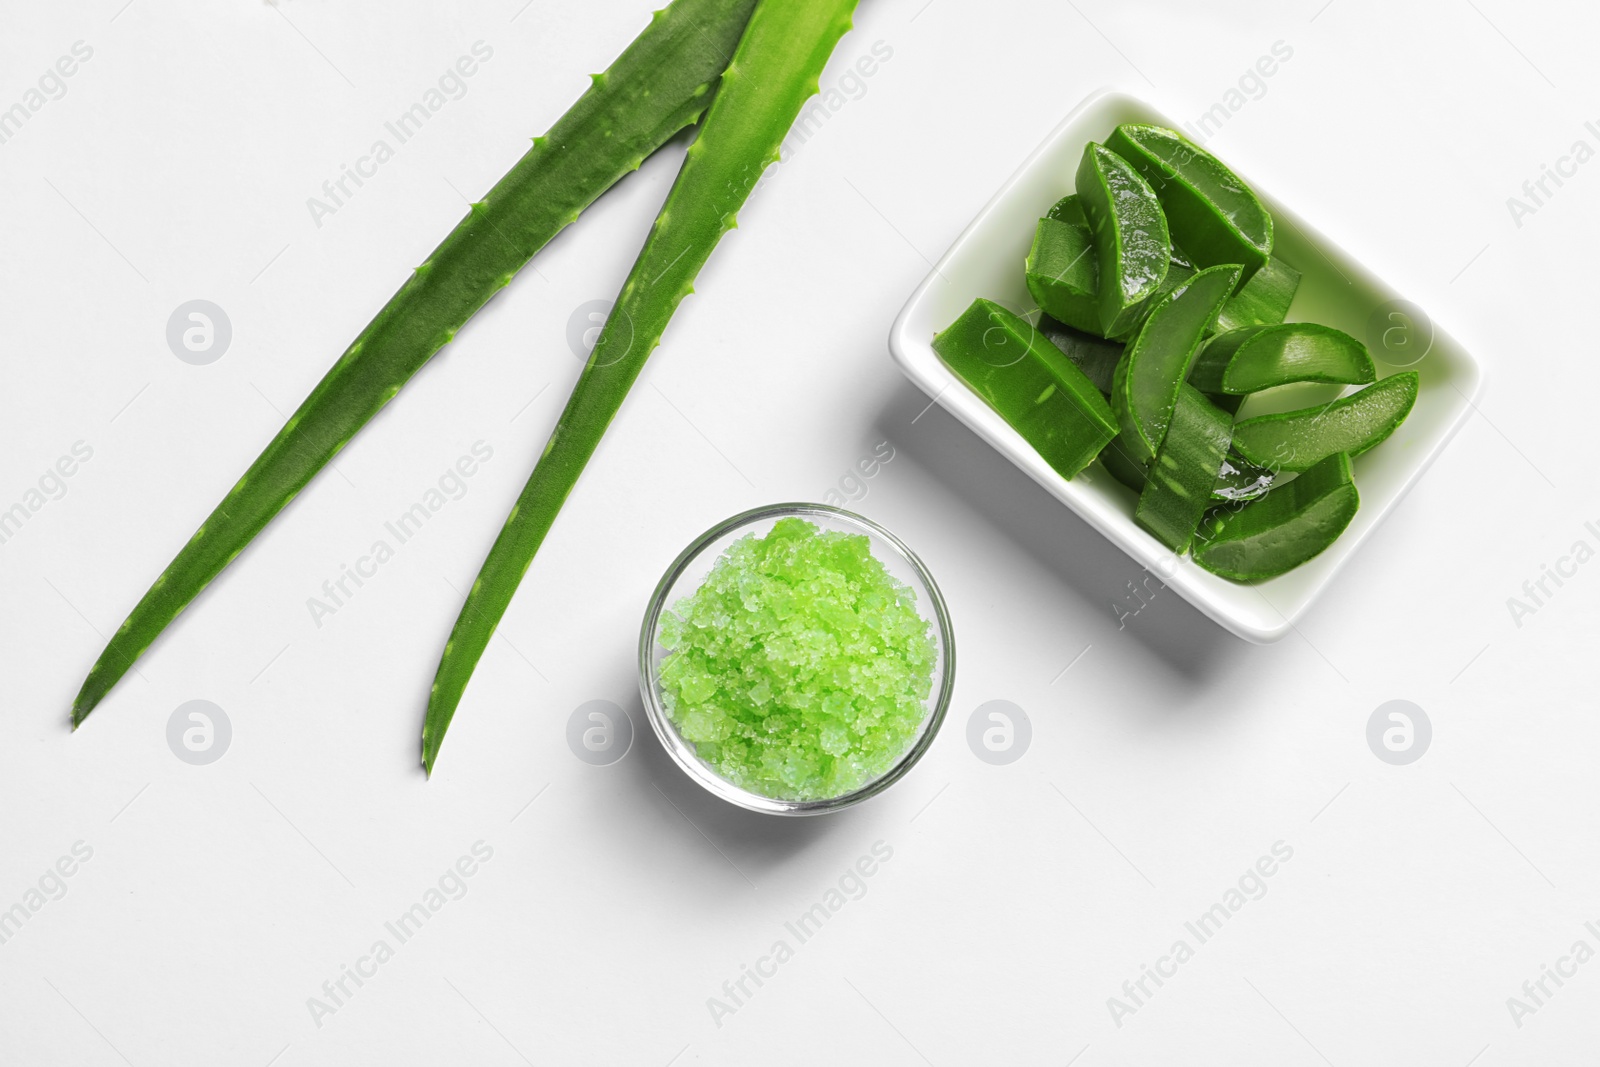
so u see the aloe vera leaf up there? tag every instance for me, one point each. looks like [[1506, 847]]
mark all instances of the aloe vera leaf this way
[[660, 84], [775, 70]]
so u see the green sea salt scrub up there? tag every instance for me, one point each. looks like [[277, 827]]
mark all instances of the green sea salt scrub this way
[[801, 668]]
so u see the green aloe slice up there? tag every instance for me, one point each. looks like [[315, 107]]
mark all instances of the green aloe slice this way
[[1263, 300], [1068, 209], [1211, 213], [1288, 526], [1254, 358], [1066, 284], [1130, 235], [1299, 440], [1063, 274], [1230, 404], [1178, 489], [1178, 274], [1155, 365], [1238, 480], [1095, 356], [1032, 385], [1076, 297], [1117, 457]]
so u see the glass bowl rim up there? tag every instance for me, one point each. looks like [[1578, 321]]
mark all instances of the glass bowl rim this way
[[682, 751]]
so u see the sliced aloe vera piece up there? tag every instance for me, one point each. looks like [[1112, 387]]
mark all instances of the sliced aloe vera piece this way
[[1263, 300], [1058, 278], [1117, 457], [1064, 275], [1239, 480], [1285, 528], [1155, 365], [1230, 404], [1178, 489], [1068, 209], [1177, 275], [1095, 356], [1038, 391], [1299, 440], [1130, 234], [1254, 358], [1210, 212]]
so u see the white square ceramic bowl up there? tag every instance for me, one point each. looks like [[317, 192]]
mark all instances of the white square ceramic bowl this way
[[987, 261]]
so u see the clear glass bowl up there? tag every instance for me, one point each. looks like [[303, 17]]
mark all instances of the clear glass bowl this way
[[689, 570]]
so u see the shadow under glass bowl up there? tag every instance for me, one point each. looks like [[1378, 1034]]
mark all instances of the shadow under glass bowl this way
[[685, 576]]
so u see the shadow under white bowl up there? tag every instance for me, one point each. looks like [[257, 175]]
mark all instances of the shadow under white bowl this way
[[987, 261]]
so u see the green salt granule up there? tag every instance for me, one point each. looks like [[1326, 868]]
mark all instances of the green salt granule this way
[[801, 668]]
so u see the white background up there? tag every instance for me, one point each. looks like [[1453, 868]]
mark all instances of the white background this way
[[1018, 898]]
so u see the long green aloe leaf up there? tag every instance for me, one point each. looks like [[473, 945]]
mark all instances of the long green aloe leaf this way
[[774, 72], [662, 83]]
